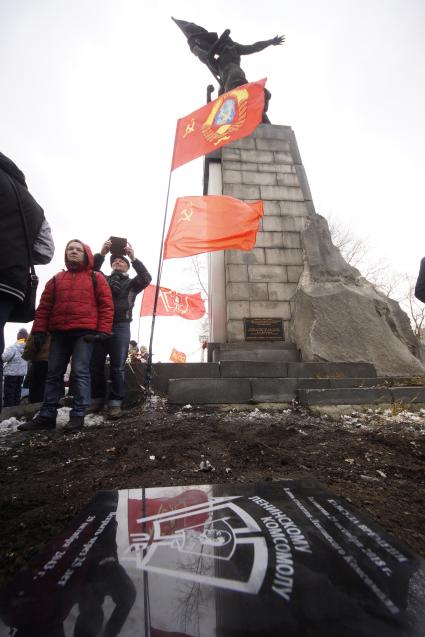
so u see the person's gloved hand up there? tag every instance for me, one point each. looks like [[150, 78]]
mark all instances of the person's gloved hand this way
[[39, 339], [100, 336]]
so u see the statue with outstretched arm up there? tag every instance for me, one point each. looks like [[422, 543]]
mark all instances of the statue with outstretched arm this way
[[222, 55]]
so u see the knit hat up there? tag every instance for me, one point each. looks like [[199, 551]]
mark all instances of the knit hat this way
[[119, 256], [22, 333]]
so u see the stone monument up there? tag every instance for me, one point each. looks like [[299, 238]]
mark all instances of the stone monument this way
[[292, 312]]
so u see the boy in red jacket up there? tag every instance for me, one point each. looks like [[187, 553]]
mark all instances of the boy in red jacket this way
[[76, 307]]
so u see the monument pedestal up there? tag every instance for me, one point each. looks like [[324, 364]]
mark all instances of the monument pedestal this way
[[294, 274]]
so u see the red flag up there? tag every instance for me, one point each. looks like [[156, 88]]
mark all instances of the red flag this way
[[177, 357], [233, 115], [210, 223], [172, 303]]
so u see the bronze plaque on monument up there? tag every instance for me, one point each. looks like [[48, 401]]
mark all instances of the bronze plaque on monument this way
[[263, 329]]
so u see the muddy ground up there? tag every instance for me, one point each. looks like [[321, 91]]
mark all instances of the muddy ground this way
[[376, 460]]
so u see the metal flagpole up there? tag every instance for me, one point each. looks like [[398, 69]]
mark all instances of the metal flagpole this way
[[158, 281]]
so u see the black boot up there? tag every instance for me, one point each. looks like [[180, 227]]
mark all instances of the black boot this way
[[38, 423], [74, 424]]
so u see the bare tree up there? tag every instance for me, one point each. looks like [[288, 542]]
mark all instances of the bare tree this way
[[400, 287]]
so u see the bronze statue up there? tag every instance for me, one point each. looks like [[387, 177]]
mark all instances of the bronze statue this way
[[223, 56]]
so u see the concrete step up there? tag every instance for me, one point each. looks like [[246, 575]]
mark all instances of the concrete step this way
[[308, 391], [274, 351], [361, 395], [163, 372]]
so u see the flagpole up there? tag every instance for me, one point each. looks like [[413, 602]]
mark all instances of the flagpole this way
[[158, 281]]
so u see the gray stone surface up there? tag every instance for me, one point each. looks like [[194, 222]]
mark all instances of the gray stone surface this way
[[270, 309], [257, 156], [281, 291], [344, 396], [239, 165], [266, 273], [273, 390], [272, 223], [284, 179], [269, 240], [339, 316], [198, 391], [331, 370], [241, 191], [294, 273], [260, 179], [284, 255], [272, 144], [408, 394], [281, 192], [259, 367], [162, 372], [294, 208], [239, 257], [292, 240], [237, 273]]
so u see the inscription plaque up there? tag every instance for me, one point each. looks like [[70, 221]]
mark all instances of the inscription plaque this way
[[258, 560], [263, 329]]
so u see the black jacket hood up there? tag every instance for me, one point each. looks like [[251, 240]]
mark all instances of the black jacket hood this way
[[12, 170]]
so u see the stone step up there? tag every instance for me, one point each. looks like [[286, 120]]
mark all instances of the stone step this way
[[163, 372], [308, 391], [275, 351], [361, 395]]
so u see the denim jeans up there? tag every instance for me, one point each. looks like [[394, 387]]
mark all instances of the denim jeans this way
[[7, 303], [117, 348], [63, 346]]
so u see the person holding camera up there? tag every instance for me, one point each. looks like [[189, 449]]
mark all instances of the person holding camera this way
[[124, 291], [76, 308]]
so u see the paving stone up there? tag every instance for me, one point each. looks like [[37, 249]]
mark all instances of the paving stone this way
[[272, 144], [235, 330], [162, 372], [198, 391], [281, 291], [344, 396], [240, 257], [274, 366], [294, 208], [294, 273], [232, 177], [277, 168], [237, 273], [292, 240], [273, 390], [283, 158], [260, 179], [271, 207], [284, 256], [272, 223], [241, 191], [408, 394], [267, 273], [269, 240], [270, 309], [258, 156], [331, 370], [230, 154], [240, 165], [238, 309], [237, 291], [284, 179]]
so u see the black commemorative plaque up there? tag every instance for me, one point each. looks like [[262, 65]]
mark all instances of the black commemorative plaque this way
[[263, 329], [258, 560]]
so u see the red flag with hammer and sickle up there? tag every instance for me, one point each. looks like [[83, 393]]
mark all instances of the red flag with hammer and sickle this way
[[210, 223], [233, 115], [172, 303]]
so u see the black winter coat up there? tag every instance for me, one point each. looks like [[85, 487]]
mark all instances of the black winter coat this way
[[124, 289], [14, 263], [420, 283]]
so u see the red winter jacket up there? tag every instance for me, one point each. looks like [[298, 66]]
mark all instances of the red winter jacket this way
[[72, 300]]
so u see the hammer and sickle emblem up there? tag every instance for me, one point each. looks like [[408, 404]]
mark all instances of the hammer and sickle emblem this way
[[186, 215], [190, 127]]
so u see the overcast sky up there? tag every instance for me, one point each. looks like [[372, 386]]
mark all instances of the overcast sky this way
[[92, 89]]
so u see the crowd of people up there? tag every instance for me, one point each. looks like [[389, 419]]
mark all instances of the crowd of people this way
[[83, 316]]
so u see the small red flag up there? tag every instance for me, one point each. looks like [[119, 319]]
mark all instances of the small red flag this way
[[172, 303], [233, 115], [210, 223], [177, 357]]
